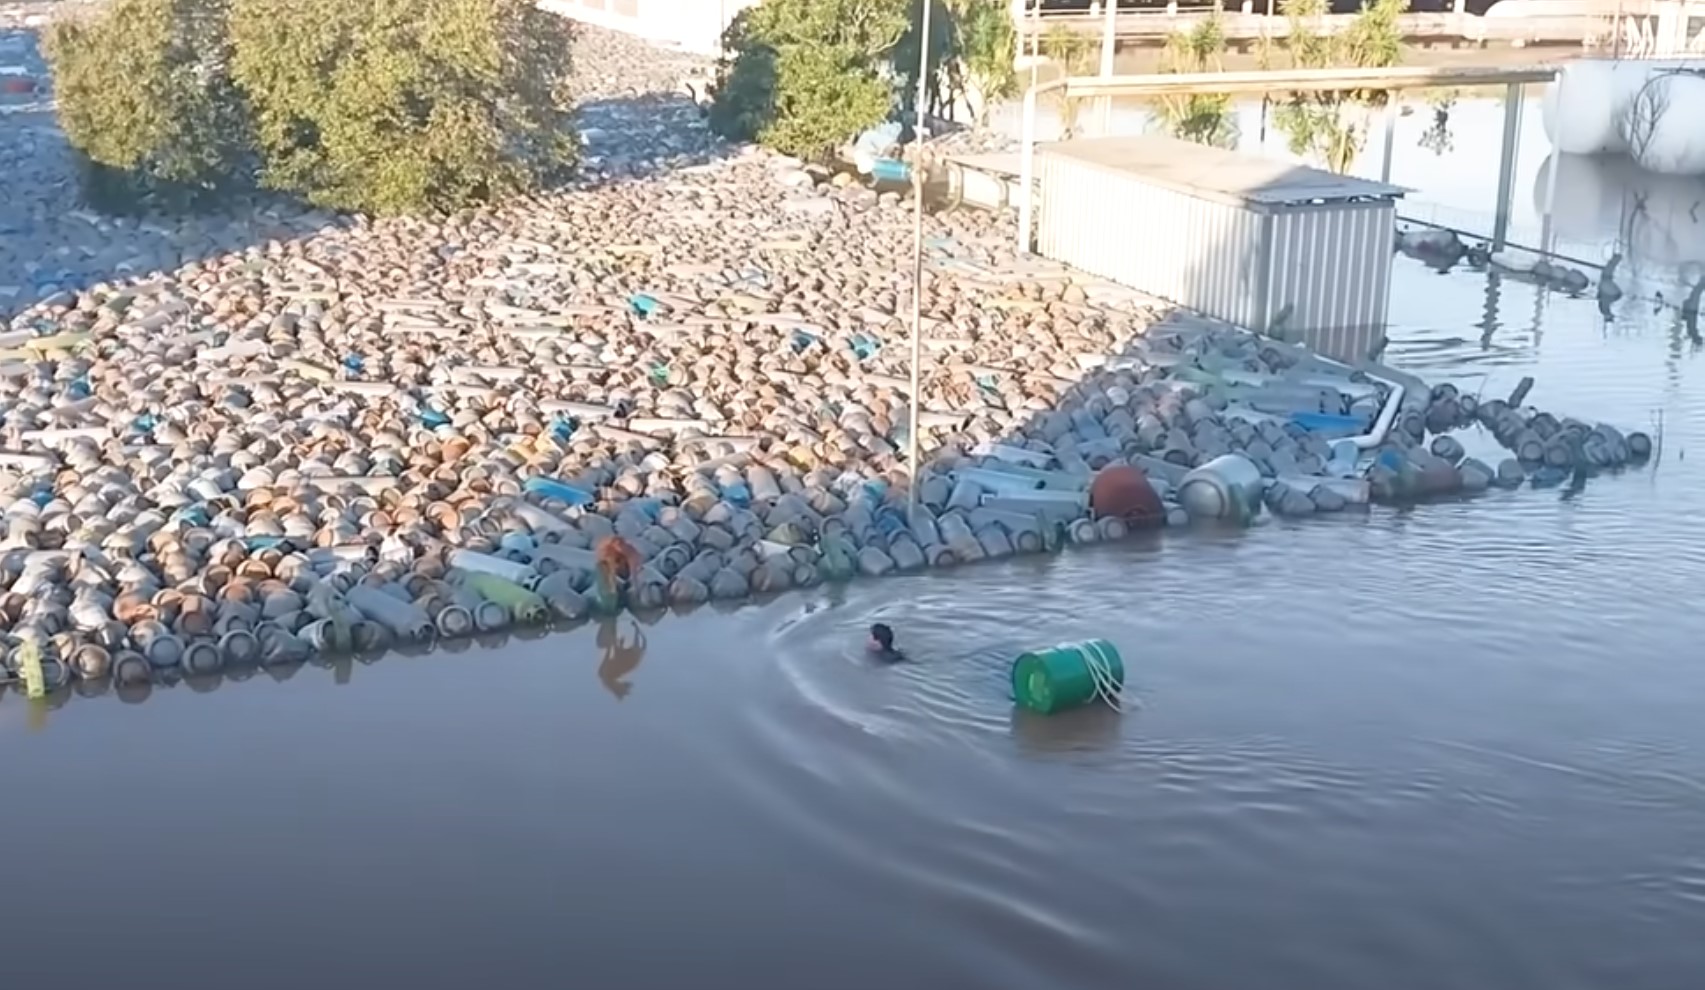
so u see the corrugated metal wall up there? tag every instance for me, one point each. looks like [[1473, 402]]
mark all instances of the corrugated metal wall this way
[[1331, 264], [1196, 253]]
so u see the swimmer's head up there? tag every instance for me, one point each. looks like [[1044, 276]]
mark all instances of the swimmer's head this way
[[881, 639]]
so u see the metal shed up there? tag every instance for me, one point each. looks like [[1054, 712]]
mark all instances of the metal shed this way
[[1259, 243]]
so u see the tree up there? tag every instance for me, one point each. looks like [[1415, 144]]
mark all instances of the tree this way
[[145, 99], [392, 106], [985, 43], [804, 76], [1204, 118], [1329, 125], [1074, 55], [382, 106]]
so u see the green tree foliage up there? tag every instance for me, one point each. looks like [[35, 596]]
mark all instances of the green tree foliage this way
[[823, 99], [1204, 118], [1328, 125], [946, 71], [382, 106], [805, 76], [392, 106], [145, 99], [1073, 54], [985, 43]]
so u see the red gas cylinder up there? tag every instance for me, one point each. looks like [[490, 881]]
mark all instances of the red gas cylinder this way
[[1124, 492]]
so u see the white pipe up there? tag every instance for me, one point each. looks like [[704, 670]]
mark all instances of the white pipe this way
[[1390, 134], [586, 411], [1387, 414], [1105, 107], [372, 484], [480, 563], [1027, 170], [1382, 425], [1545, 238], [95, 433], [1027, 154]]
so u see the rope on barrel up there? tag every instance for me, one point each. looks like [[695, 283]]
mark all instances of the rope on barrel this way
[[1101, 672]]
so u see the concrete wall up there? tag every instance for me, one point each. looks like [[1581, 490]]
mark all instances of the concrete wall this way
[[691, 25]]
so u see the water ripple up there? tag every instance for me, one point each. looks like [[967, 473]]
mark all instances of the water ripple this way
[[1331, 711]]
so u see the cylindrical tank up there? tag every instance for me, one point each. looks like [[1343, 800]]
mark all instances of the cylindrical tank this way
[[1067, 676], [1597, 93], [1227, 488]]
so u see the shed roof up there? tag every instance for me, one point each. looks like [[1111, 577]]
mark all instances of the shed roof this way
[[1214, 173]]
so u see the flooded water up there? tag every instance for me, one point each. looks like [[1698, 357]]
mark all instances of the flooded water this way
[[1450, 747]]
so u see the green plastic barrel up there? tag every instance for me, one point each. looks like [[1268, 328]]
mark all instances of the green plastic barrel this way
[[1060, 678]]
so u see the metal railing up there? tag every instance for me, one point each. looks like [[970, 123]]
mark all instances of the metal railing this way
[[1633, 26]]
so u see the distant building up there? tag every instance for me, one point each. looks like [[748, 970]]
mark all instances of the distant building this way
[[691, 25]]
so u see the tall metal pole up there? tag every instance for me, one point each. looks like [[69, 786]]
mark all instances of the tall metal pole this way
[[1104, 106], [912, 441], [1547, 242], [1390, 134], [1507, 165], [1027, 149]]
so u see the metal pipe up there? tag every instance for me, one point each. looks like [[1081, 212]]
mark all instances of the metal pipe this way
[[1545, 237], [916, 397], [1307, 80], [1027, 154], [1507, 165], [1382, 426], [1105, 104], [1390, 134], [1027, 173]]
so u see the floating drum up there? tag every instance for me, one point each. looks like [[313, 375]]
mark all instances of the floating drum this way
[[1068, 676], [1228, 487], [1123, 492]]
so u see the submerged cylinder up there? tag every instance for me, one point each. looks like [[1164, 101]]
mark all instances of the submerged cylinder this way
[[1067, 676], [1228, 487]]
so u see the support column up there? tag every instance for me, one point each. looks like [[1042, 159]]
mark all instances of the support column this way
[[1553, 166], [1104, 104], [1390, 134], [1027, 171], [1507, 164]]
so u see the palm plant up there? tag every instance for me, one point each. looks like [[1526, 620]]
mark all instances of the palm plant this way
[[1204, 118]]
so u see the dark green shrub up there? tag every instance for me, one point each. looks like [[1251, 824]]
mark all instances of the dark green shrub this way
[[804, 76], [381, 106], [145, 100], [823, 99], [392, 106]]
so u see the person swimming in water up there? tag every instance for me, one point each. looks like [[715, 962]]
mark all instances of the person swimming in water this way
[[881, 644]]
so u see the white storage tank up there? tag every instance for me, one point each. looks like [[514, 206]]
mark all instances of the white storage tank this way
[[1649, 109]]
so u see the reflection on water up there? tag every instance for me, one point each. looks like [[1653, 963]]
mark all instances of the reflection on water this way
[[1657, 222], [1437, 137], [622, 656], [1451, 746]]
